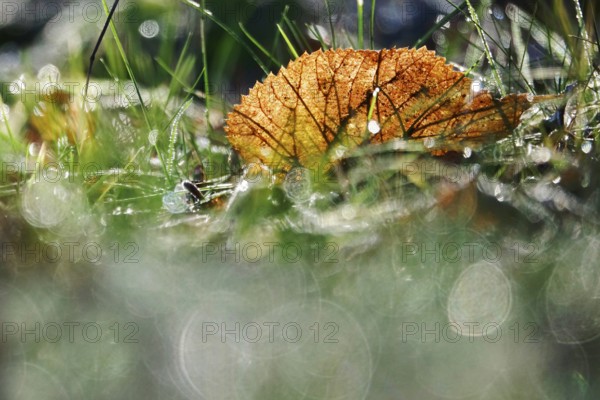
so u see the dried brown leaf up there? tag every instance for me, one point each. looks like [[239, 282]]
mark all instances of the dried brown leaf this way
[[321, 101]]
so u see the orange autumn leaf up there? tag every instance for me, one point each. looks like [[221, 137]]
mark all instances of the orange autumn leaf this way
[[320, 102]]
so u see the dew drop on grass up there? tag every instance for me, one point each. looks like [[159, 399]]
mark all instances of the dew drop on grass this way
[[497, 12], [511, 11], [45, 204], [176, 201], [340, 151], [429, 142], [52, 203], [153, 137], [40, 109], [4, 112], [541, 155], [439, 38], [519, 142], [586, 147], [501, 192], [297, 184], [585, 180], [348, 212], [439, 19], [62, 142], [463, 27], [243, 186], [49, 73], [571, 112], [33, 149], [219, 149], [149, 28], [89, 106], [266, 151], [203, 142], [400, 144], [17, 85], [318, 32]]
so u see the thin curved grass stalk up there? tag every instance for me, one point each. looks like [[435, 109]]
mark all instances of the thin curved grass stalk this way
[[333, 45], [258, 45], [229, 31], [173, 139], [486, 48], [359, 19], [291, 48], [587, 44], [205, 63], [127, 64], [372, 25]]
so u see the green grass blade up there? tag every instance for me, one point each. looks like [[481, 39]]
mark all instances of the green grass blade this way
[[317, 34], [173, 139], [288, 42], [127, 66], [4, 117], [176, 74], [259, 46], [298, 36], [457, 10], [205, 63], [486, 47], [360, 22], [227, 29], [329, 17], [521, 48], [372, 25], [585, 39], [173, 74]]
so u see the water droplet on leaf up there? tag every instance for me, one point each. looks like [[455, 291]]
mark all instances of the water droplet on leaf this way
[[373, 127]]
